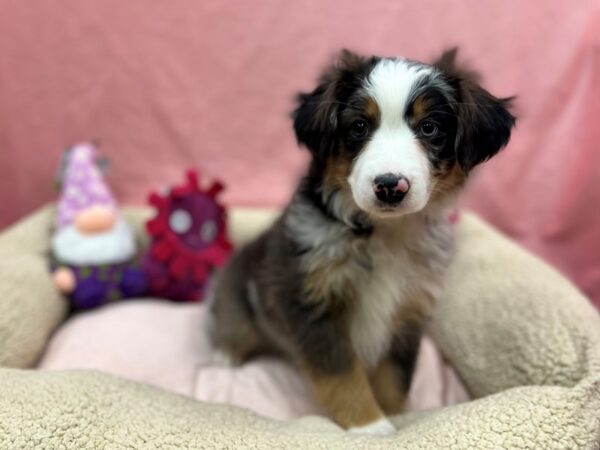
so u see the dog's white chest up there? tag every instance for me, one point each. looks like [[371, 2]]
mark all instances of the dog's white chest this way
[[394, 283], [379, 297]]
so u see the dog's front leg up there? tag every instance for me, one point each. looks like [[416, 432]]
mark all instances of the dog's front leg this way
[[392, 377], [339, 378], [348, 397]]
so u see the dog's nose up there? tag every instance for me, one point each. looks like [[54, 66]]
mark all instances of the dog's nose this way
[[390, 188]]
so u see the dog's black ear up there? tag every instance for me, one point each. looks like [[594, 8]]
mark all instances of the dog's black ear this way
[[315, 117], [484, 121], [316, 114]]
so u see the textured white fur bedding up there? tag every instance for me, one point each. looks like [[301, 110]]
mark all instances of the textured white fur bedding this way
[[524, 341]]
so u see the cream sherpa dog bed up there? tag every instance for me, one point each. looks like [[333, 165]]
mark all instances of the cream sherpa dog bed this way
[[522, 338]]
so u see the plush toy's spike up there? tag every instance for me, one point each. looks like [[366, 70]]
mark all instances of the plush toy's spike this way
[[162, 251], [182, 191], [213, 254], [193, 179], [156, 200], [179, 267], [200, 273], [156, 226], [214, 190]]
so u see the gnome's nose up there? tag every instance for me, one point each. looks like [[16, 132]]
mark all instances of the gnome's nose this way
[[95, 219]]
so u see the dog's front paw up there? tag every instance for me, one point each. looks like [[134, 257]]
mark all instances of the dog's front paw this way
[[381, 426]]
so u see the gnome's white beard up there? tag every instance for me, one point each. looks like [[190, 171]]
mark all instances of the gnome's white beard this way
[[114, 246]]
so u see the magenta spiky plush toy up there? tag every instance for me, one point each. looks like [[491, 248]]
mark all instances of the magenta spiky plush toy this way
[[189, 240], [94, 250]]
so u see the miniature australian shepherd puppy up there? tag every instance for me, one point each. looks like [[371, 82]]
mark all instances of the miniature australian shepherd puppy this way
[[345, 280]]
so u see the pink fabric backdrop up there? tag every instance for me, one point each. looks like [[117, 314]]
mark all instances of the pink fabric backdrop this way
[[167, 85]]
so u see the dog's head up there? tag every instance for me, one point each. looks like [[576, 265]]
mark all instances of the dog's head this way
[[392, 133]]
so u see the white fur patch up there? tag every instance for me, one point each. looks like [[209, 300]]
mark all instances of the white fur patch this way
[[394, 280], [393, 148], [309, 227], [381, 426], [114, 246]]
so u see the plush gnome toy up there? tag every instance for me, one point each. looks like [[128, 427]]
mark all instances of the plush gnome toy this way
[[94, 249]]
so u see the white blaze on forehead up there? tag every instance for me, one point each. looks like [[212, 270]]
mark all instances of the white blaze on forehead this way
[[390, 84]]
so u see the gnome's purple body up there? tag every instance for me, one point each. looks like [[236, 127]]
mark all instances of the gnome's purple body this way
[[95, 285]]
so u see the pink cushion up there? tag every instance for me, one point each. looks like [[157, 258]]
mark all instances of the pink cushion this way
[[164, 344]]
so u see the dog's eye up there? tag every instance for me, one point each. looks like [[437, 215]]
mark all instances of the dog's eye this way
[[428, 129], [360, 128]]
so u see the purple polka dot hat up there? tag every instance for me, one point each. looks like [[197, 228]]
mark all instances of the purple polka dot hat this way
[[82, 184]]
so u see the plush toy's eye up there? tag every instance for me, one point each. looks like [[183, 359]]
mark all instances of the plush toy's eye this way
[[360, 128], [208, 231], [180, 221], [428, 129]]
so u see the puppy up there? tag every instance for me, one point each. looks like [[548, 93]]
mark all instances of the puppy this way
[[344, 281]]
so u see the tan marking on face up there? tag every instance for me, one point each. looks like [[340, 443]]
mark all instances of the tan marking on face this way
[[371, 110], [347, 396], [419, 108], [447, 181], [386, 384], [335, 176], [337, 171]]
